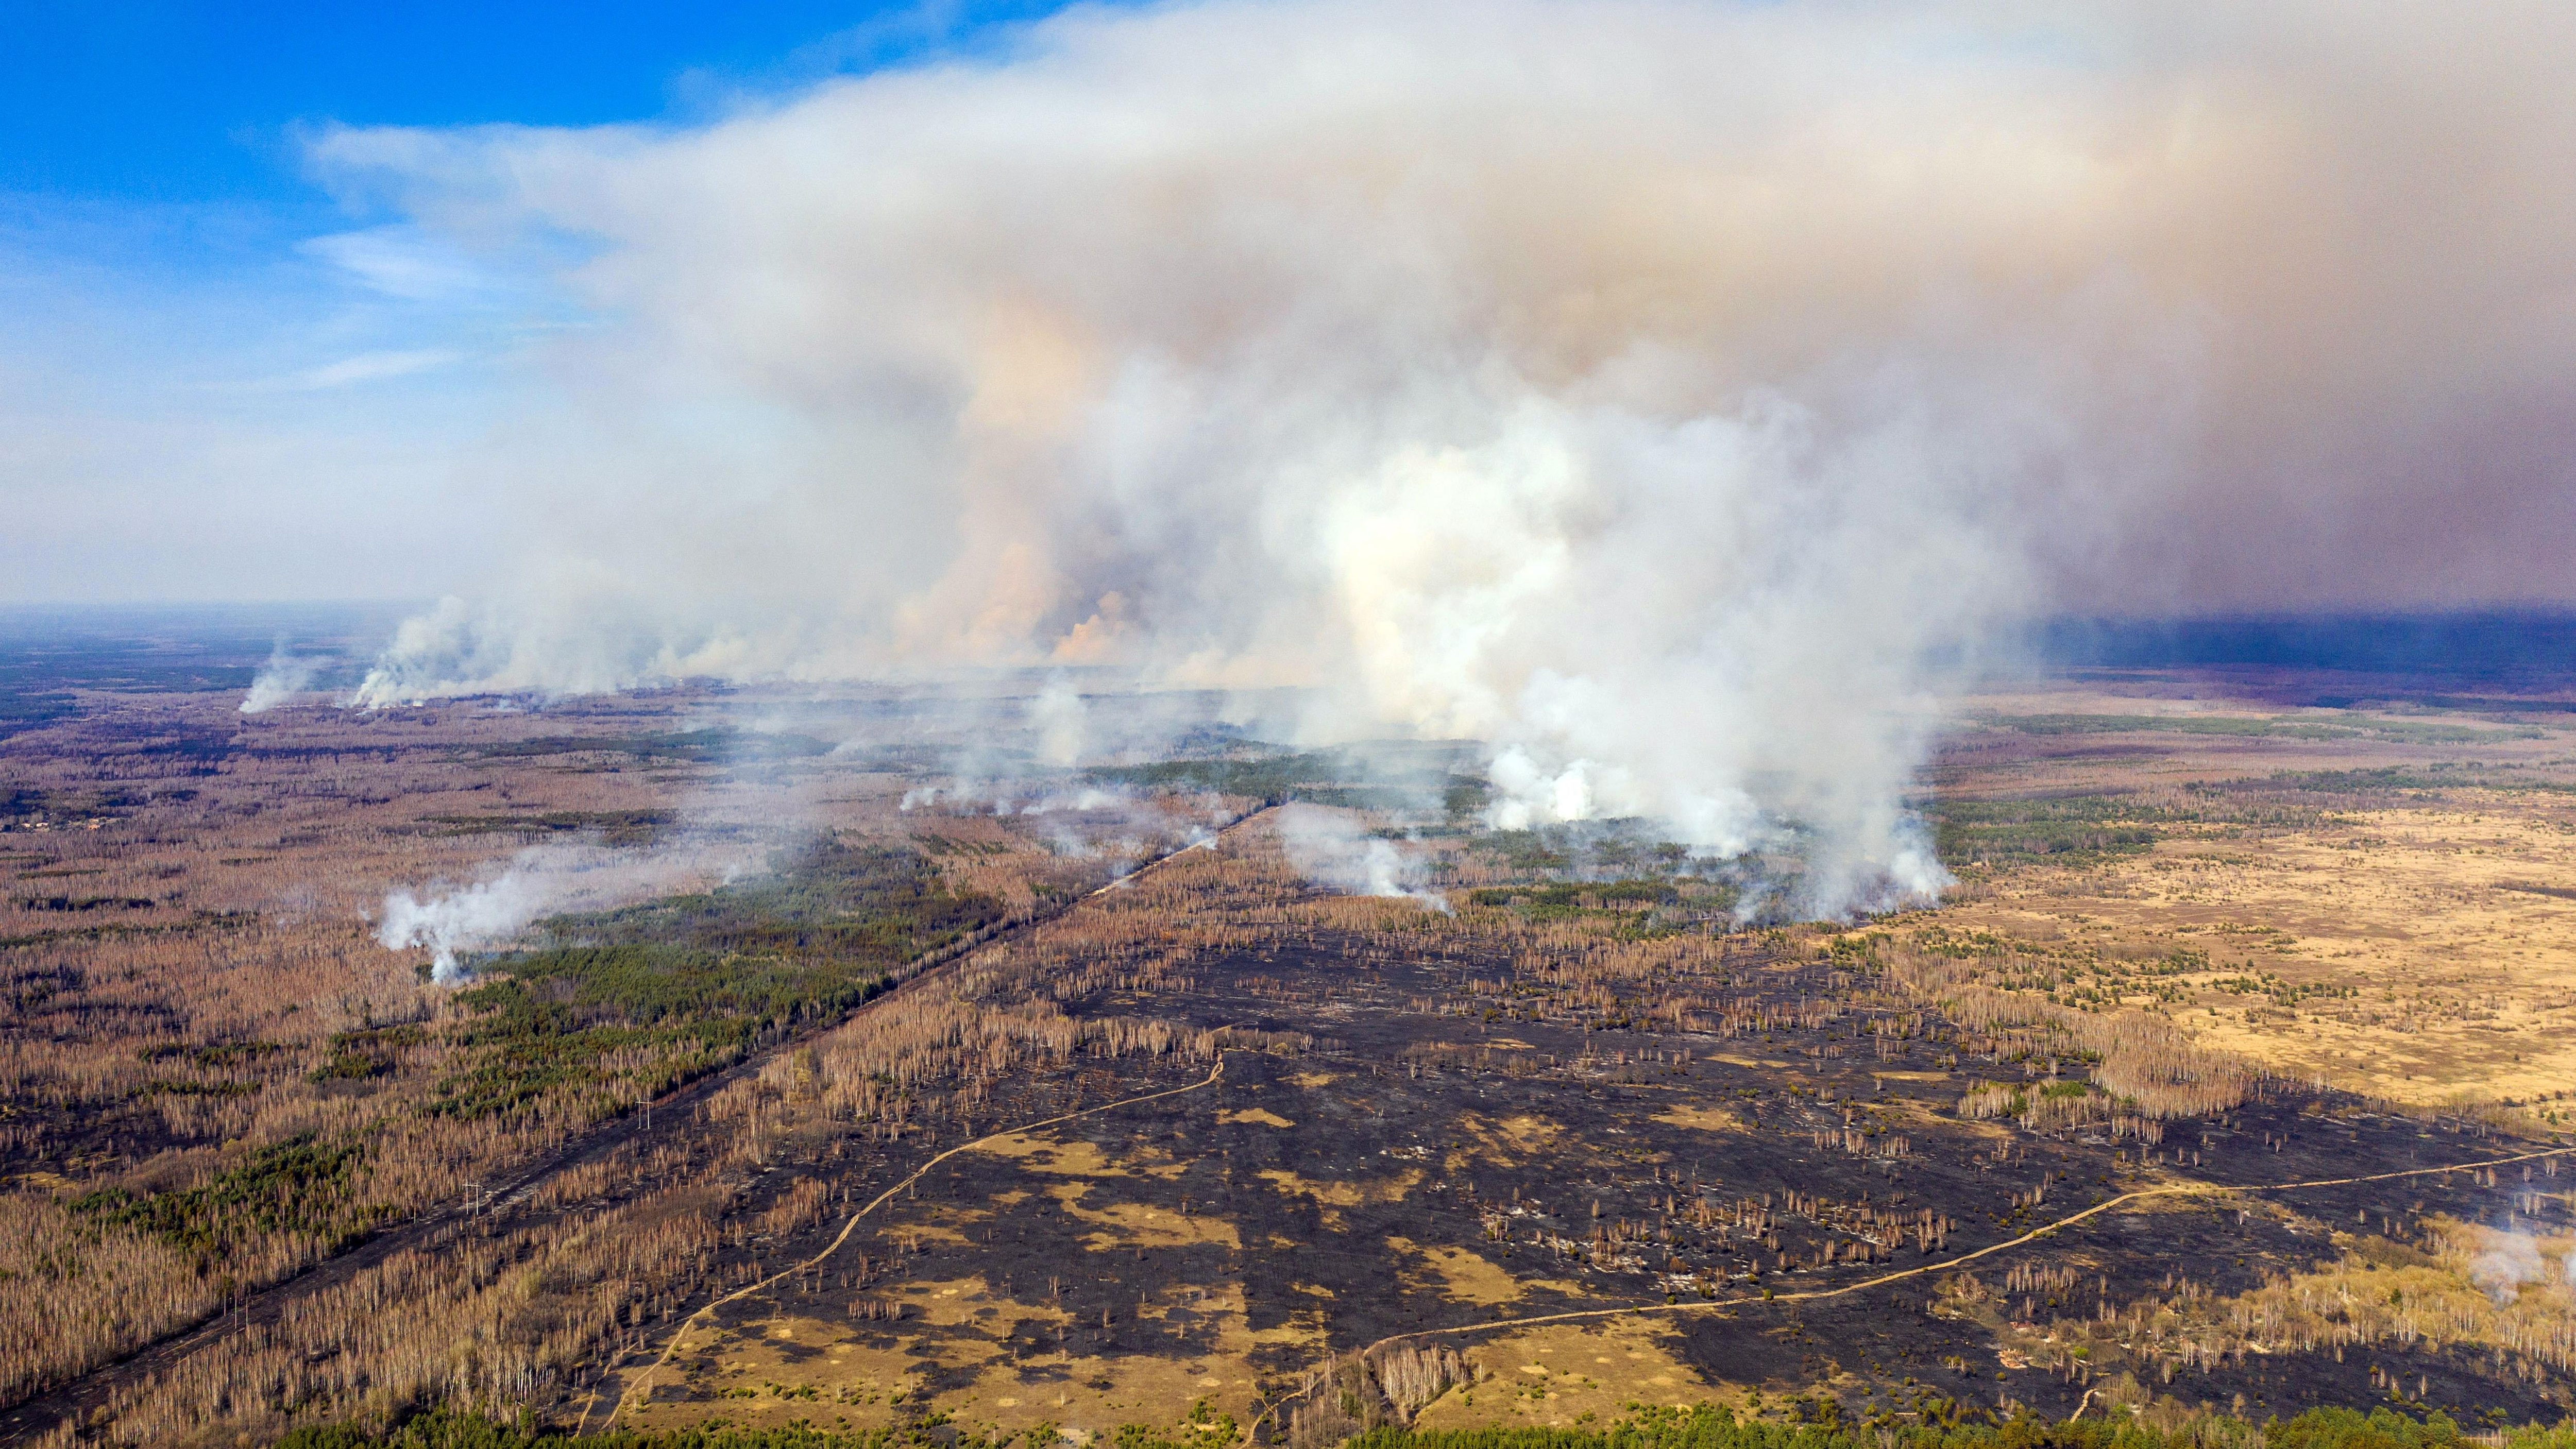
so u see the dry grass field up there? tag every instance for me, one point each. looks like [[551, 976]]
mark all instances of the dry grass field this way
[[2383, 902]]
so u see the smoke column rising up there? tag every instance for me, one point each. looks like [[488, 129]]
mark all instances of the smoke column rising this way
[[2508, 1260], [1327, 846], [1670, 395], [279, 681], [541, 881], [460, 920]]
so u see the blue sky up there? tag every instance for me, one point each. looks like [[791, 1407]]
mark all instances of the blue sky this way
[[127, 102], [213, 371]]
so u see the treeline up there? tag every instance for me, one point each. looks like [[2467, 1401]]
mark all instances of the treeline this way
[[446, 1429], [1330, 777], [2084, 829], [2078, 829], [1704, 1427], [299, 1186], [714, 745]]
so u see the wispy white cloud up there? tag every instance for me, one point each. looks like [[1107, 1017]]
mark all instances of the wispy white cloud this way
[[376, 367], [404, 262], [192, 407]]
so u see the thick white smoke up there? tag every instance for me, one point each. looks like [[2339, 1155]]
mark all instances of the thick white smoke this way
[[450, 921], [1060, 720], [1668, 394], [1329, 847], [279, 681], [463, 919]]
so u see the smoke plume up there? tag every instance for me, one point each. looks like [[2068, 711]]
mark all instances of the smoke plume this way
[[453, 921], [2506, 1261], [1059, 718], [464, 919], [1329, 848], [1674, 396], [280, 680]]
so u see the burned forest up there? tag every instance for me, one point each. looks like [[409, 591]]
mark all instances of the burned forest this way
[[606, 1066]]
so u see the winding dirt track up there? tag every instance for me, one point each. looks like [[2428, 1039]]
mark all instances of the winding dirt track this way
[[75, 1399], [2184, 1189], [644, 1384]]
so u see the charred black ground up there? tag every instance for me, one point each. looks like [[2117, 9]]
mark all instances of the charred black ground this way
[[1557, 1155]]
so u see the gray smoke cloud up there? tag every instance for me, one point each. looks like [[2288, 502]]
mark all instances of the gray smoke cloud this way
[[1333, 849], [1061, 721], [1673, 396]]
